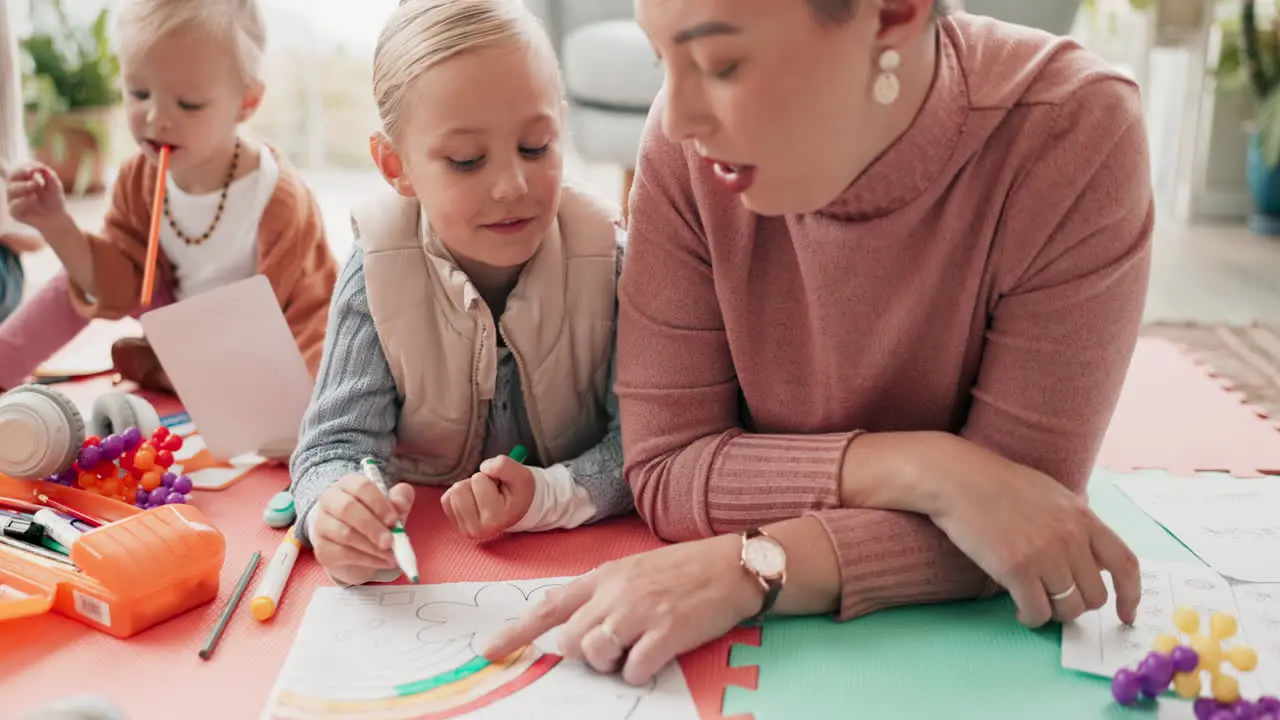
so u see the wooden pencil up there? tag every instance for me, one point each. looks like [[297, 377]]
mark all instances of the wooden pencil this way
[[68, 510], [216, 633]]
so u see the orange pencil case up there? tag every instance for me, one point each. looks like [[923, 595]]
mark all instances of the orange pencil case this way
[[138, 570]]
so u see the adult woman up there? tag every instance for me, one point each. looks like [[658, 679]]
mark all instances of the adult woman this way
[[885, 274], [14, 238]]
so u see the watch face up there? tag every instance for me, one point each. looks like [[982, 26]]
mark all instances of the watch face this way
[[765, 557]]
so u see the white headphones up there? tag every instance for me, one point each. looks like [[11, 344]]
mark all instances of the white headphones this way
[[42, 431]]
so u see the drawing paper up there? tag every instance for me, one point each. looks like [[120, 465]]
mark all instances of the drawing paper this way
[[407, 651]]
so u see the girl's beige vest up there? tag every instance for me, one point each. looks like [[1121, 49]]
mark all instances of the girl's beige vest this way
[[441, 340]]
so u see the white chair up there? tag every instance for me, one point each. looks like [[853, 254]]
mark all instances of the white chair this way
[[611, 77]]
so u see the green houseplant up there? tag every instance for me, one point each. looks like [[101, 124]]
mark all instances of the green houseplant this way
[[71, 89], [1250, 57]]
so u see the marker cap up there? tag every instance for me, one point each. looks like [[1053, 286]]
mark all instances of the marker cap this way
[[262, 607]]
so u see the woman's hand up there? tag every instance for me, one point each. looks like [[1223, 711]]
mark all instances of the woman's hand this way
[[1031, 534], [639, 613]]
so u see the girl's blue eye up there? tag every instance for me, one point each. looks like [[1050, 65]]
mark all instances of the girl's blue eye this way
[[535, 152]]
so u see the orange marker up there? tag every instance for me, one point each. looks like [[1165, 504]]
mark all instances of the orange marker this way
[[153, 237]]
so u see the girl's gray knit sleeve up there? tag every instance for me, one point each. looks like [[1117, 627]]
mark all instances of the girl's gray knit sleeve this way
[[355, 405]]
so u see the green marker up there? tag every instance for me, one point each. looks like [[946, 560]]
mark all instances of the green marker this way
[[518, 453], [400, 544]]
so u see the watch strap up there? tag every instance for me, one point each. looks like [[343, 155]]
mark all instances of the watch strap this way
[[771, 590]]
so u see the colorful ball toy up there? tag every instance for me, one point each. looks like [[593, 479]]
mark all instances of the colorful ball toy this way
[[129, 468]]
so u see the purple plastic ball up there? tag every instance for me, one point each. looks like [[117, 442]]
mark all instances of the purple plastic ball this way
[[68, 476], [183, 485], [1125, 686], [158, 495], [167, 479], [140, 497], [1223, 715], [1205, 708], [90, 457], [112, 448], [1184, 659], [1269, 704], [175, 498], [132, 439], [1243, 710], [1157, 672]]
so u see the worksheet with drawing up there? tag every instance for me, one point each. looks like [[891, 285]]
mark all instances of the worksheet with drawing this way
[[1098, 643], [409, 651]]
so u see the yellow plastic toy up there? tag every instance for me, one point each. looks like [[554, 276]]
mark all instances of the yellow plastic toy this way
[[1225, 688]]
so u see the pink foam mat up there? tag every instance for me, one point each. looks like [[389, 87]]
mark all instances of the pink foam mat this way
[[1176, 415]]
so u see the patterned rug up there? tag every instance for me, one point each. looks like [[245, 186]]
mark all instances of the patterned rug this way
[[1247, 357]]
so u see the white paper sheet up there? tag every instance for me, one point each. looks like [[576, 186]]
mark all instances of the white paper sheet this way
[[1099, 644], [206, 472], [356, 646], [1232, 524], [1259, 607], [235, 365]]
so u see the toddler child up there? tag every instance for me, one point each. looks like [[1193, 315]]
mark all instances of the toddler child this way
[[476, 313], [233, 207]]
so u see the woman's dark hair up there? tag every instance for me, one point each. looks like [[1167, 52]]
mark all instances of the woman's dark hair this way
[[837, 11]]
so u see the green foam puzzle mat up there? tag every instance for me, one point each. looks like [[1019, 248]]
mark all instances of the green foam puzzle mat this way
[[953, 660]]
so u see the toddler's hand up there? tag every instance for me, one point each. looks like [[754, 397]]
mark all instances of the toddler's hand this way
[[492, 500], [35, 196], [351, 530]]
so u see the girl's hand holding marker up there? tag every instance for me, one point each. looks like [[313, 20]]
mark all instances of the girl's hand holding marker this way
[[354, 525]]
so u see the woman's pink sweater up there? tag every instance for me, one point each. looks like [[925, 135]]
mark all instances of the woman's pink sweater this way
[[985, 276]]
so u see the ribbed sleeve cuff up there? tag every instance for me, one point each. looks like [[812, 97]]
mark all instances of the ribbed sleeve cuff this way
[[892, 558], [759, 479]]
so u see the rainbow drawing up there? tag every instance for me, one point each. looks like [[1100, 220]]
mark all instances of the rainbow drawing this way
[[454, 693]]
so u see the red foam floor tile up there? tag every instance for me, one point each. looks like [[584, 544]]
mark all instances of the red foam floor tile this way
[[157, 674]]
